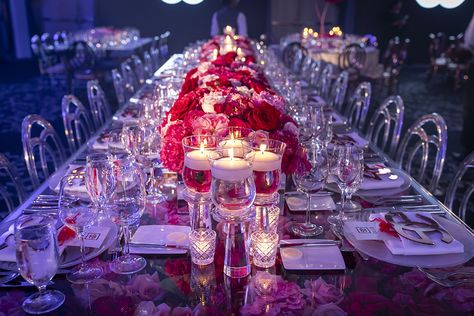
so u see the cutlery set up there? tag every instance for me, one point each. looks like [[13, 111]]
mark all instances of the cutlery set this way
[[454, 278]]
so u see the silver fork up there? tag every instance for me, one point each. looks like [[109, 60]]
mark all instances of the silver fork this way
[[445, 274], [451, 283]]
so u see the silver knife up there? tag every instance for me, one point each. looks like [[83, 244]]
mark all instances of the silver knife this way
[[164, 246]]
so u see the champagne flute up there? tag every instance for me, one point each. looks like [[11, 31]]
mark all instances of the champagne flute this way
[[78, 217], [128, 204], [100, 181], [348, 170], [310, 176], [37, 257]]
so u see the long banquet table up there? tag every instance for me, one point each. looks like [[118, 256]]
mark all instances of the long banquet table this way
[[176, 286]]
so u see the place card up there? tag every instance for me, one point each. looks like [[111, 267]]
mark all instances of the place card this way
[[94, 238], [364, 230]]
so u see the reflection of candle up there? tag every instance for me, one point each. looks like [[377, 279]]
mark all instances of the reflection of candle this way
[[266, 160], [231, 168]]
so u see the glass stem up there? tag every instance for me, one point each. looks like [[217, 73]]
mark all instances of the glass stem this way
[[126, 237], [343, 204], [83, 249], [308, 209], [41, 288]]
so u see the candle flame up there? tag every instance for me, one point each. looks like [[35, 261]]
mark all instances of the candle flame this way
[[263, 147]]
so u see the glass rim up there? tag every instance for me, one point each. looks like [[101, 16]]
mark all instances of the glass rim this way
[[45, 220], [197, 137]]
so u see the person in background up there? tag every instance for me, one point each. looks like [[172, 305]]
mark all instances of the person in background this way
[[467, 137], [229, 15]]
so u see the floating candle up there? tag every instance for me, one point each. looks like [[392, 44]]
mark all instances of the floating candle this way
[[197, 160], [231, 169], [266, 160]]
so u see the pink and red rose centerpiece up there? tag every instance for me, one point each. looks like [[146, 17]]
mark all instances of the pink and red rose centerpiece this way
[[229, 91]]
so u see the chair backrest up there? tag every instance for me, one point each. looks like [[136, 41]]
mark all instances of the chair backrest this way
[[316, 71], [290, 53], [139, 69], [155, 57], [47, 42], [359, 104], [416, 139], [10, 174], [352, 57], [119, 87], [36, 46], [324, 83], [339, 90], [60, 39], [148, 64], [455, 187], [306, 67], [128, 78], [40, 140], [98, 103], [77, 124], [386, 124], [84, 57], [163, 44]]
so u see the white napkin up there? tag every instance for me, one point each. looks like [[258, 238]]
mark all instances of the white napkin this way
[[403, 246], [161, 235], [95, 237], [388, 180]]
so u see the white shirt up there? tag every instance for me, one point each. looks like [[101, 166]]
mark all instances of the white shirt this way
[[241, 23]]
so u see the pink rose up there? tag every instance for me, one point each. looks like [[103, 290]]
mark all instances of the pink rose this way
[[145, 286], [320, 292], [209, 123], [330, 309]]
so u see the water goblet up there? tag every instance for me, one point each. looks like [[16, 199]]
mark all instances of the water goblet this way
[[127, 206], [347, 170], [312, 169], [79, 217], [100, 181], [37, 257]]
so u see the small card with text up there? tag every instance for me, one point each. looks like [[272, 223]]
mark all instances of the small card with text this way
[[364, 230], [94, 237]]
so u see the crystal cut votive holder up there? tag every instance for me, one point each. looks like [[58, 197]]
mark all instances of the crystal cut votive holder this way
[[264, 248], [202, 246]]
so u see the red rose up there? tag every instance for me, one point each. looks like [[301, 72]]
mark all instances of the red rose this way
[[238, 123], [264, 117], [224, 60], [186, 103]]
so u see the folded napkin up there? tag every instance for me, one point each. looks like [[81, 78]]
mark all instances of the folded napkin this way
[[160, 235], [379, 177], [94, 238], [406, 247]]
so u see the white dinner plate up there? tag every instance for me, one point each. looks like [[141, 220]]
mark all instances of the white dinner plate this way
[[379, 251], [379, 192]]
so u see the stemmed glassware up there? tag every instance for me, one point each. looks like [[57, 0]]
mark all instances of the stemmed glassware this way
[[347, 169], [79, 217], [127, 206], [312, 169], [37, 257], [100, 181]]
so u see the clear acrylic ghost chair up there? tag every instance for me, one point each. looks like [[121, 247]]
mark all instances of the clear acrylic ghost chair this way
[[148, 64], [461, 186], [415, 148], [100, 108], [306, 67], [139, 70], [339, 90], [324, 83], [358, 106], [315, 73], [40, 141], [155, 57], [78, 126], [10, 175], [128, 78], [385, 125], [119, 87]]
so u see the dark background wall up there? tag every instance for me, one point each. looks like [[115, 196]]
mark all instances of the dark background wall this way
[[186, 22], [372, 17]]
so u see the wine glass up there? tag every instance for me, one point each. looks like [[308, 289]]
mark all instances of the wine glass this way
[[324, 137], [37, 257], [347, 170], [127, 206], [312, 169], [79, 217], [100, 180]]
